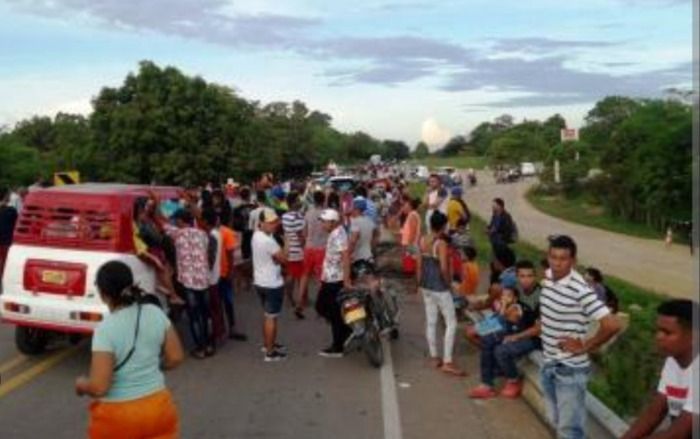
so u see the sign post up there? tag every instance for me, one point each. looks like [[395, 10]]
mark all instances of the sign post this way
[[66, 177]]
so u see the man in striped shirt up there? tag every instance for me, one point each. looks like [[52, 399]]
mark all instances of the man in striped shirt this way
[[567, 307], [293, 224]]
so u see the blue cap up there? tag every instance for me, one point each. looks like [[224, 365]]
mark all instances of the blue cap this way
[[457, 191], [508, 280], [278, 192], [360, 204]]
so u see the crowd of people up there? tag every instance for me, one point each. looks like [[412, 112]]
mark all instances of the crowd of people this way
[[281, 238]]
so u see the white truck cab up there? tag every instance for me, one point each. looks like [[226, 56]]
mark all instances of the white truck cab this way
[[62, 237]]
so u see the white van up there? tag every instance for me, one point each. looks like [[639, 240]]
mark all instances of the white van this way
[[62, 237], [527, 169]]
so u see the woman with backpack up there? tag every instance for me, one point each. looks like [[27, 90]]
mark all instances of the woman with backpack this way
[[126, 381]]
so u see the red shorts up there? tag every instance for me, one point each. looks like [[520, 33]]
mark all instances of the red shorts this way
[[313, 261], [294, 269]]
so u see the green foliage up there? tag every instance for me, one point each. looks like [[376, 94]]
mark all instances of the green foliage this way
[[163, 126], [20, 163], [421, 150], [453, 147], [462, 161]]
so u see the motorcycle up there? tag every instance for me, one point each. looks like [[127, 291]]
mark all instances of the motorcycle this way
[[370, 311]]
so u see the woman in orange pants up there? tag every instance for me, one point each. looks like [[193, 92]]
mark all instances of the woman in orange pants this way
[[131, 400]]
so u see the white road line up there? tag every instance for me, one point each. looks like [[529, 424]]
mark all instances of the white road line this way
[[390, 401]]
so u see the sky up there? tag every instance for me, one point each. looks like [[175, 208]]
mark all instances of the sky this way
[[405, 70]]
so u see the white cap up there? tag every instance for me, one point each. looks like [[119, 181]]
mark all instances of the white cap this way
[[329, 215]]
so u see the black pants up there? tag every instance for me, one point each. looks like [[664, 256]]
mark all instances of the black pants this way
[[328, 307]]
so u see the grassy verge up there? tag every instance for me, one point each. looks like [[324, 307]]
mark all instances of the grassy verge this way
[[627, 373], [461, 161], [584, 211]]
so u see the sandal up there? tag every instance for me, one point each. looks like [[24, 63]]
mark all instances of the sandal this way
[[436, 362], [198, 354], [450, 368]]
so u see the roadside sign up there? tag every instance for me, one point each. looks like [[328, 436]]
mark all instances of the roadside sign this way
[[66, 177], [569, 134]]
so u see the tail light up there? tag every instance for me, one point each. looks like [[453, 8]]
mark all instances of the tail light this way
[[86, 316], [41, 276], [16, 308]]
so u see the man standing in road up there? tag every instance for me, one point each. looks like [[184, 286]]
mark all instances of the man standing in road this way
[[362, 232], [335, 277], [268, 259], [293, 225], [501, 229], [315, 237], [435, 198], [567, 307], [8, 219]]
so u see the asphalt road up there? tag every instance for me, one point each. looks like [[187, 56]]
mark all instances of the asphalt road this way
[[236, 395], [644, 262]]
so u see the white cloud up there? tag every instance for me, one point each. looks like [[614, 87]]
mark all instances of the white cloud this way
[[434, 134]]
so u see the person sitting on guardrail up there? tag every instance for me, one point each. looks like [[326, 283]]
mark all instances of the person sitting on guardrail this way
[[677, 397]]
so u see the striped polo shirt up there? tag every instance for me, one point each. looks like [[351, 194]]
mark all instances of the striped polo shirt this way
[[567, 307], [293, 224]]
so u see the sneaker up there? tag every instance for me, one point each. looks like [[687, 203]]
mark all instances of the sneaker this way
[[512, 389], [331, 352], [482, 391], [275, 355], [238, 336], [275, 347]]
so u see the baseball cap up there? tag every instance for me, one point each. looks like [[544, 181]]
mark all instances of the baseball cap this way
[[360, 204], [329, 215], [278, 192], [509, 280], [268, 216], [457, 191]]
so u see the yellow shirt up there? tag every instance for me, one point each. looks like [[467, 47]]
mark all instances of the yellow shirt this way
[[455, 211]]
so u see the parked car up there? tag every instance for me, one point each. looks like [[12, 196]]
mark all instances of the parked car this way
[[527, 169], [343, 183], [62, 237]]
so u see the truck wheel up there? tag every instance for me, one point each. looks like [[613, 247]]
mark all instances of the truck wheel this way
[[30, 341]]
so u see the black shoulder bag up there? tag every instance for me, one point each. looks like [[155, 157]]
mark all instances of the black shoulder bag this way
[[133, 347]]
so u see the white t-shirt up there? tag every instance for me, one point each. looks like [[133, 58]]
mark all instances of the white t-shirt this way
[[333, 262], [266, 272], [433, 198], [677, 385], [215, 272], [254, 218]]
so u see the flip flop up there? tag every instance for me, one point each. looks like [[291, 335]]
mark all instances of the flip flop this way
[[452, 370]]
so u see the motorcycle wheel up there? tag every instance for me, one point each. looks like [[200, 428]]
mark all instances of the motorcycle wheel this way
[[372, 345]]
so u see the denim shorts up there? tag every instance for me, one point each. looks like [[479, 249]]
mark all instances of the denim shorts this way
[[271, 299]]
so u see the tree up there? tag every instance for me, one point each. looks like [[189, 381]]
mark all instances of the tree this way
[[421, 150], [454, 146], [395, 149], [21, 164]]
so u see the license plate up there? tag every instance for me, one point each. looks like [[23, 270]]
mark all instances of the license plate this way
[[53, 277], [354, 315]]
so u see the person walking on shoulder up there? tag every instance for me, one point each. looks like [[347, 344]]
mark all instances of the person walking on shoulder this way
[[126, 381]]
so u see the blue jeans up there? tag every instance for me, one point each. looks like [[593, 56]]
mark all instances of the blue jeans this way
[[225, 287], [508, 353], [198, 315], [487, 358], [565, 396]]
